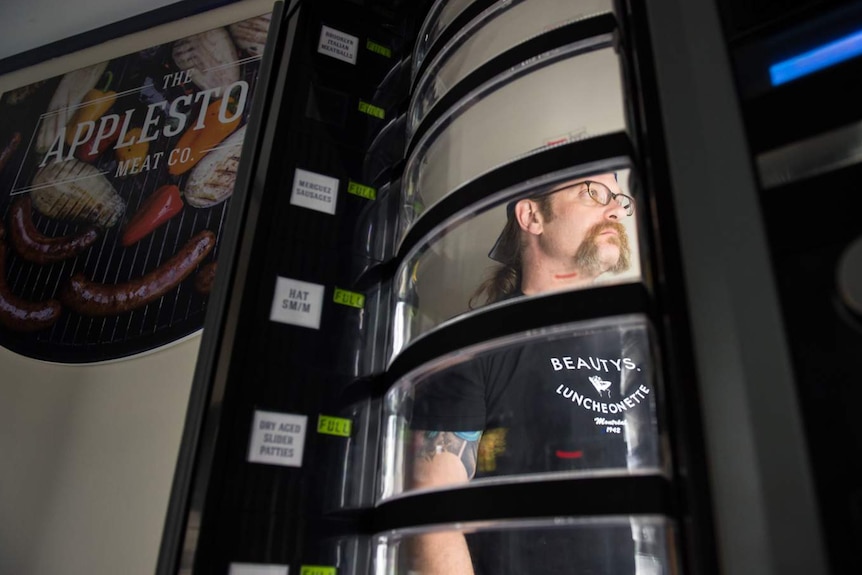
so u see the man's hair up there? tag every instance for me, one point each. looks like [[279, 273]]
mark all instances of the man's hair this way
[[504, 280]]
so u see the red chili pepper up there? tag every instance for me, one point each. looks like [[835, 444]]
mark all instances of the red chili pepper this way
[[85, 153], [162, 205]]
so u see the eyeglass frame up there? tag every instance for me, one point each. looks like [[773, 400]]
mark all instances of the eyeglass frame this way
[[613, 196]]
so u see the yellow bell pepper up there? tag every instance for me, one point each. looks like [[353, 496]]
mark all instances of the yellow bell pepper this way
[[93, 105], [134, 150]]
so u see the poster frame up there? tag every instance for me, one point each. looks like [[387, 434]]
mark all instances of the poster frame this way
[[102, 34]]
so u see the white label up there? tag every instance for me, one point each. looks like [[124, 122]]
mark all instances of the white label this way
[[314, 191], [277, 438], [297, 303], [338, 44], [257, 569]]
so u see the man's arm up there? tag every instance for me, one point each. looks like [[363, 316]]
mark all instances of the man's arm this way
[[441, 458]]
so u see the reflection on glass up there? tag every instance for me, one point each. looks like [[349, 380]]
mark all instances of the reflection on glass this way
[[563, 96], [636, 545], [504, 25], [576, 399], [441, 14], [569, 232]]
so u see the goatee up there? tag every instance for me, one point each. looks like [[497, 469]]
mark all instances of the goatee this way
[[587, 257]]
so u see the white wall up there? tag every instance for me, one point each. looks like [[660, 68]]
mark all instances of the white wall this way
[[28, 24], [87, 453]]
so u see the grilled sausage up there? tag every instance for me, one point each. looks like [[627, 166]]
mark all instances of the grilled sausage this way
[[19, 314], [9, 150], [96, 299], [205, 277], [33, 246]]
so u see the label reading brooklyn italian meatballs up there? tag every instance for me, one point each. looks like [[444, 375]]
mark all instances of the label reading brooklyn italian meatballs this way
[[277, 438], [257, 569], [314, 191], [297, 303], [338, 44]]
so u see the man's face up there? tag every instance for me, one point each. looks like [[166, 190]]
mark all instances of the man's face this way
[[579, 230]]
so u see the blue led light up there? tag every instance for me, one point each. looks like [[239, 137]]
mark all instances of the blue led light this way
[[816, 59]]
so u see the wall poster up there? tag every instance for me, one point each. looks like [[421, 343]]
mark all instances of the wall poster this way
[[115, 180]]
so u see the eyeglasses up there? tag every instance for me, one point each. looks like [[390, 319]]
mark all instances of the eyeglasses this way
[[602, 195]]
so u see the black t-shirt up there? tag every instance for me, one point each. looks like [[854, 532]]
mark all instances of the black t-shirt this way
[[568, 402]]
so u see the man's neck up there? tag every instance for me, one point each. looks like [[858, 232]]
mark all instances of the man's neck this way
[[540, 279]]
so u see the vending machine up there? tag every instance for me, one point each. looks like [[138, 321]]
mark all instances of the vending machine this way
[[457, 332]]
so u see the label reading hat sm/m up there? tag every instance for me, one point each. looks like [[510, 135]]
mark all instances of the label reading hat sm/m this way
[[338, 45], [297, 303]]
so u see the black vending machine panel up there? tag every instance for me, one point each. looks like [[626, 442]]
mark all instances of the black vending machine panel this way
[[797, 85], [448, 343]]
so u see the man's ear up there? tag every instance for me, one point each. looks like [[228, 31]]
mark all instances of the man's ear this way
[[529, 217]]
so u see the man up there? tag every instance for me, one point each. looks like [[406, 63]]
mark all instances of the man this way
[[562, 238]]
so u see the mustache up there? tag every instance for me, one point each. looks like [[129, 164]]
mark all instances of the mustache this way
[[599, 228], [587, 255]]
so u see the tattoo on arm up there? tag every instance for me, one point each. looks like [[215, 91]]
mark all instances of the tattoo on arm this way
[[435, 442]]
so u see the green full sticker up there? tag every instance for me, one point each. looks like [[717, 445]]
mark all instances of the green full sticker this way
[[371, 110], [378, 49], [317, 570], [349, 298], [358, 189], [330, 425]]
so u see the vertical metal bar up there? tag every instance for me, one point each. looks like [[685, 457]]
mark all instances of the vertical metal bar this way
[[766, 517]]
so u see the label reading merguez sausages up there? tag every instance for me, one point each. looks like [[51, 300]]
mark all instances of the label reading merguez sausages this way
[[314, 191], [337, 44], [297, 303]]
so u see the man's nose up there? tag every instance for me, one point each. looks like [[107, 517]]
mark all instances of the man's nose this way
[[614, 210]]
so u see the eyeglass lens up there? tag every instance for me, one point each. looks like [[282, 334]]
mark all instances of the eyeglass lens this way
[[603, 195]]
